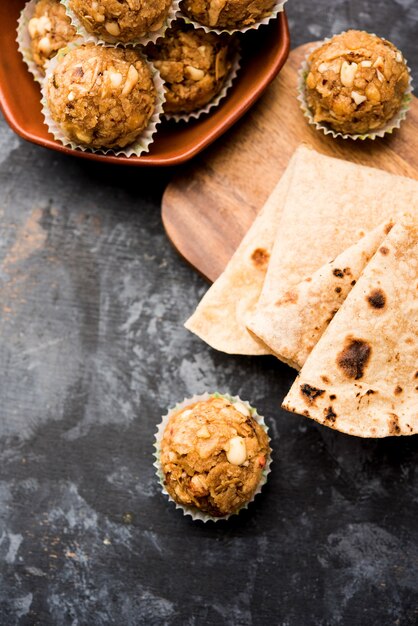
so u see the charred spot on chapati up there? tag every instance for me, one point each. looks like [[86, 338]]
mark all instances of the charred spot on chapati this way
[[354, 357], [330, 415], [369, 392], [338, 289], [338, 273], [333, 396], [383, 250], [388, 228], [311, 393], [394, 428], [397, 390], [376, 299], [260, 257], [353, 282], [347, 271], [333, 312], [290, 297], [325, 379]]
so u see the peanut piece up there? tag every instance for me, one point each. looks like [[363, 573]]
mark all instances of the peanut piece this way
[[215, 9], [323, 68], [39, 26], [33, 27], [380, 75], [203, 433], [194, 73], [155, 27], [358, 98], [347, 74], [83, 136], [237, 451], [131, 80], [112, 28], [372, 93], [116, 79], [45, 45], [198, 485]]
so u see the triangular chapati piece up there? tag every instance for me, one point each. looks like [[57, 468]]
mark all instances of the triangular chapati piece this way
[[220, 316], [330, 204], [362, 376], [292, 324]]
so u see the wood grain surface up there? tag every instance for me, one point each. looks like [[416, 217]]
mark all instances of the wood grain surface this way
[[208, 208]]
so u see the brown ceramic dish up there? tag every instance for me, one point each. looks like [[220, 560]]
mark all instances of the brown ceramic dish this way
[[263, 54]]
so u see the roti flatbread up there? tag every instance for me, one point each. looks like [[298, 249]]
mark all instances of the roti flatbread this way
[[292, 324], [321, 206], [330, 204], [362, 376], [220, 316]]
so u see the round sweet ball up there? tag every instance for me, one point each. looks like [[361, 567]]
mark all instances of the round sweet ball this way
[[194, 66], [50, 30], [228, 14], [356, 82], [101, 97], [213, 454], [121, 20]]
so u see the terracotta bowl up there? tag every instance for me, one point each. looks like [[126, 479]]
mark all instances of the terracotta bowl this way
[[263, 54]]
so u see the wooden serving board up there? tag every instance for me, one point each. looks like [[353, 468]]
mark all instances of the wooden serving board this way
[[208, 208]]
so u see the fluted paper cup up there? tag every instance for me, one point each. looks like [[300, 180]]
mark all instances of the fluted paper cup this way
[[387, 129], [24, 41], [276, 10], [213, 104], [150, 37], [139, 147], [194, 512]]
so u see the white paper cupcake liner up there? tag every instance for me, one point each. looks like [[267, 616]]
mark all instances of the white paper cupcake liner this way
[[140, 146], [24, 41], [213, 104], [387, 129], [195, 513], [150, 37], [278, 8]]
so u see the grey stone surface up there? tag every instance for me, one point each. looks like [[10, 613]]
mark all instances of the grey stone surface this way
[[92, 352]]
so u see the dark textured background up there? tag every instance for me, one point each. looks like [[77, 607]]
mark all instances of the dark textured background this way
[[92, 351]]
